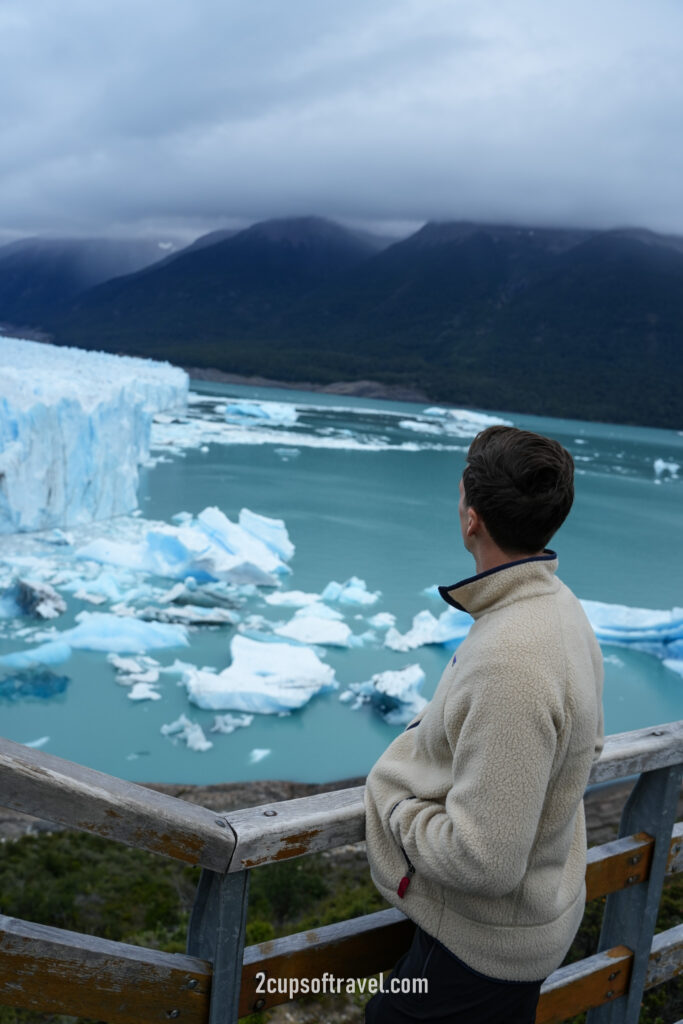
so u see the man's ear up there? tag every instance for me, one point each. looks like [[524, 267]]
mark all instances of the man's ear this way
[[473, 522]]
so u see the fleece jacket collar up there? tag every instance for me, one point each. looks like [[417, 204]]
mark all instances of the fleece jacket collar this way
[[493, 588]]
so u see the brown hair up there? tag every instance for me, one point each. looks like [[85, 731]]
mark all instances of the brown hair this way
[[521, 484]]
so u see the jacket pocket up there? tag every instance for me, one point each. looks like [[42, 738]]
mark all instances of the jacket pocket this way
[[410, 868]]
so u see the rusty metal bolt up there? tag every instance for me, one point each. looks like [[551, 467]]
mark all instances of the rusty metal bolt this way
[[609, 994], [613, 975], [632, 879], [677, 848], [192, 983], [221, 822], [635, 859], [259, 1004], [172, 1014], [270, 814]]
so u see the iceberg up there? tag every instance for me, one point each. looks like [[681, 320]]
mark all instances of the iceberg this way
[[449, 629], [257, 754], [55, 652], [274, 414], [292, 598], [209, 548], [354, 591], [74, 428], [189, 732], [143, 691], [661, 466], [263, 677], [646, 629], [228, 723], [41, 685], [30, 597], [104, 631], [393, 694], [311, 629]]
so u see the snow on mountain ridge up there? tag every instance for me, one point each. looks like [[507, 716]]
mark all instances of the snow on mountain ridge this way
[[74, 428]]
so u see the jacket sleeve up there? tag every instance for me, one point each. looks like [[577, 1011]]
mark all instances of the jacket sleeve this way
[[479, 840]]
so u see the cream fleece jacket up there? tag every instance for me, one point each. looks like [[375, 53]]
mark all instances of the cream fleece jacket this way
[[480, 801]]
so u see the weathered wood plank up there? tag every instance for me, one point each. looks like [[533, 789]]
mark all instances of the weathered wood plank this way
[[591, 982], [55, 971], [642, 750], [675, 861], [70, 794], [292, 828], [666, 957], [618, 865], [351, 949], [58, 790]]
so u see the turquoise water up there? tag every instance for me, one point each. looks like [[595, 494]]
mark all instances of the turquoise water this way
[[390, 517]]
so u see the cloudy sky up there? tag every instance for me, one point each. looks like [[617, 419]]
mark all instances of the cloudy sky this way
[[149, 116]]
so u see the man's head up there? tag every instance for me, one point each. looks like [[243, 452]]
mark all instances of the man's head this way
[[521, 485]]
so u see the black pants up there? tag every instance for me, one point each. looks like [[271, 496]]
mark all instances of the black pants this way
[[456, 994]]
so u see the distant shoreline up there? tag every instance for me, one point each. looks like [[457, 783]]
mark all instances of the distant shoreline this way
[[353, 388]]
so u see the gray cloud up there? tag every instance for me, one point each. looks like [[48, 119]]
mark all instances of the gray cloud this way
[[202, 112]]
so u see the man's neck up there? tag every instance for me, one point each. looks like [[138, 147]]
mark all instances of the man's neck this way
[[492, 557]]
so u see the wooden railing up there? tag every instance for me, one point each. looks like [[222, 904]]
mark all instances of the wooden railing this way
[[51, 970]]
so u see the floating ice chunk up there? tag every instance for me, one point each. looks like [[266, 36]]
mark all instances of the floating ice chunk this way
[[189, 616], [40, 684], [53, 653], [292, 598], [432, 591], [206, 595], [361, 639], [61, 539], [654, 631], [661, 467], [31, 597], [209, 549], [104, 587], [272, 532], [177, 668], [675, 664], [450, 628], [133, 666], [143, 691], [74, 428], [37, 744], [353, 591], [318, 610], [394, 694], [257, 754], [311, 629], [189, 732], [264, 677], [421, 427], [464, 422], [279, 414], [287, 453], [228, 723], [383, 620], [103, 631]]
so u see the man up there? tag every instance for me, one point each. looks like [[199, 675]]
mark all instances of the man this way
[[475, 823]]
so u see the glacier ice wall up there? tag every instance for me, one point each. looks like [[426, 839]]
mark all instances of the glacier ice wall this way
[[74, 428]]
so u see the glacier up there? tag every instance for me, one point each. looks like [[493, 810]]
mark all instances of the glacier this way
[[74, 428]]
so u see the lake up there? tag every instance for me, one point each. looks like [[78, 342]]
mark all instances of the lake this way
[[366, 488]]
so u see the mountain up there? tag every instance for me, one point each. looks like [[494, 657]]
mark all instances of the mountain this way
[[40, 275], [234, 287], [583, 324]]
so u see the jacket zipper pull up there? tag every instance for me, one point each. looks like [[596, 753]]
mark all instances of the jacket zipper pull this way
[[405, 882]]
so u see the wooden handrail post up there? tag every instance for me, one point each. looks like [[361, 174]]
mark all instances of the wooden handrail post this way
[[216, 932], [631, 914]]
